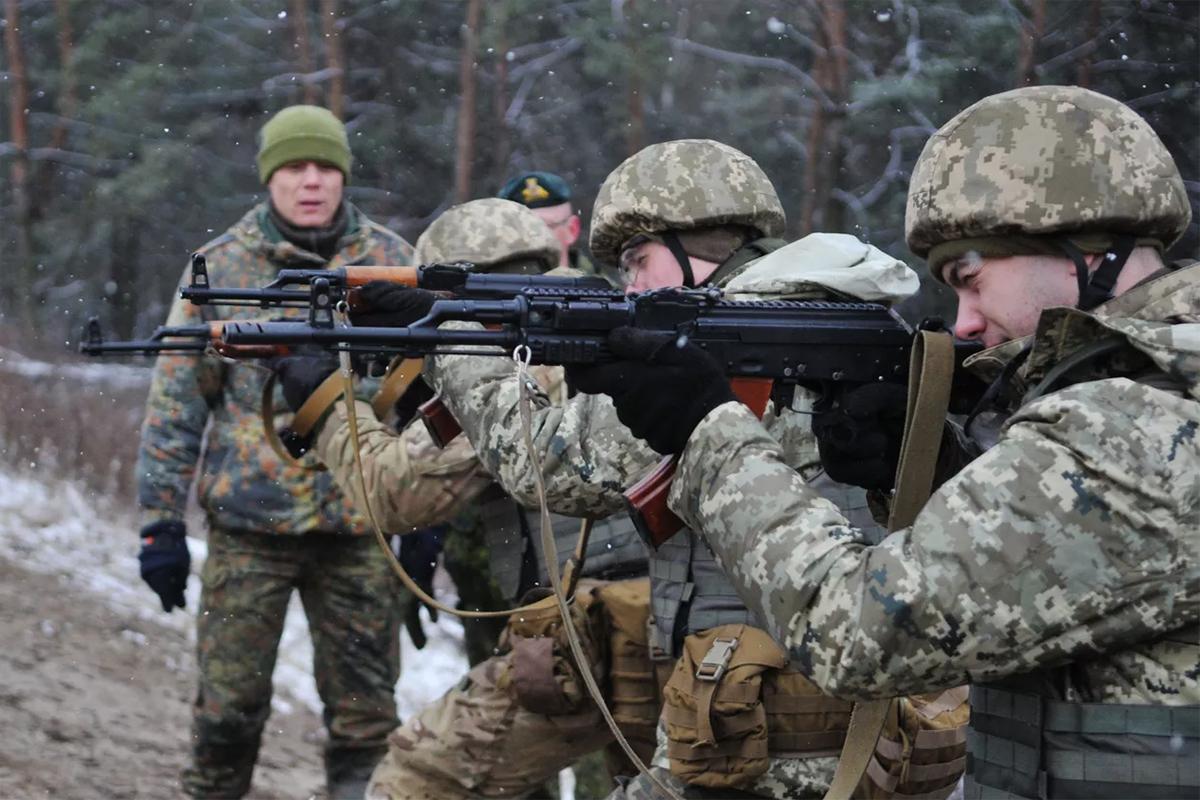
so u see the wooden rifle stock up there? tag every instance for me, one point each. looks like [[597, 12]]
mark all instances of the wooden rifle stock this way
[[647, 499], [442, 426]]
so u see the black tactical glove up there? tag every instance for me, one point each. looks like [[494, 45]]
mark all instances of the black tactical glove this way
[[165, 561], [300, 375], [418, 555], [859, 435], [661, 389], [383, 304]]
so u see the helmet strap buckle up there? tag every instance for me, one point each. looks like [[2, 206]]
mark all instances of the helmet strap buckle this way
[[1097, 287]]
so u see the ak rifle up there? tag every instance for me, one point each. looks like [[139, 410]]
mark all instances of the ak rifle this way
[[172, 340], [292, 287], [767, 348]]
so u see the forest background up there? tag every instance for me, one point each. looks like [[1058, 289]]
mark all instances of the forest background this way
[[130, 127]]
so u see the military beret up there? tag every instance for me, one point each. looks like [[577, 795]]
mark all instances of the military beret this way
[[536, 190]]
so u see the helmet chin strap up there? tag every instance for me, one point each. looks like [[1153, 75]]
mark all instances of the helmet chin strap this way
[[685, 264], [1099, 288]]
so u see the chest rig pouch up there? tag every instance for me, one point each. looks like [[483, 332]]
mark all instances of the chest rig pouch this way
[[922, 749], [635, 695], [543, 675], [732, 703]]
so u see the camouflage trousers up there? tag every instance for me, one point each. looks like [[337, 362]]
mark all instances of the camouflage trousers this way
[[481, 740], [353, 604]]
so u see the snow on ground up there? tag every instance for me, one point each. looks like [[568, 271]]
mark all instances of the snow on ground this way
[[94, 372], [55, 527]]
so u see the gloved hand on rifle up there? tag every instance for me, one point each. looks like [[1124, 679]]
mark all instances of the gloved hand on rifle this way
[[383, 304], [661, 387], [300, 375], [859, 436], [165, 561]]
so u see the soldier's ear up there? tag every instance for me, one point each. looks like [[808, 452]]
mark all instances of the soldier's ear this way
[[574, 226]]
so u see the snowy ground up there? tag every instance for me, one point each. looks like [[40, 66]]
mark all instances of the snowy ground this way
[[56, 526], [96, 682], [52, 527]]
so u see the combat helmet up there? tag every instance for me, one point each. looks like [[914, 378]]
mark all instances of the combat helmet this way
[[1054, 169], [494, 234], [683, 185]]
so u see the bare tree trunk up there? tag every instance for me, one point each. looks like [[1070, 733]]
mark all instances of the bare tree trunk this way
[[18, 103], [1032, 31], [303, 47], [1083, 74], [123, 274], [465, 136], [635, 137], [503, 137], [334, 57], [68, 100], [824, 142]]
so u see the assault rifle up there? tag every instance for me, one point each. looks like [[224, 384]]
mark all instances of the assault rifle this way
[[173, 339], [291, 287], [766, 347]]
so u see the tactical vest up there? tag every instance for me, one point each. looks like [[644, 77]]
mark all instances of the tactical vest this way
[[690, 593], [1026, 744], [515, 547]]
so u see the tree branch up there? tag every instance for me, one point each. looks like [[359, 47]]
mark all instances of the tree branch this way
[[760, 62]]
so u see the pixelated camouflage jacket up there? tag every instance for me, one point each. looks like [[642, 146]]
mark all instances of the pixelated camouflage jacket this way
[[588, 456], [1071, 540], [242, 484]]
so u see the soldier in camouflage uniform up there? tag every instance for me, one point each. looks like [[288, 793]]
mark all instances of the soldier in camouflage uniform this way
[[696, 212], [273, 528], [520, 716], [1058, 571], [549, 196]]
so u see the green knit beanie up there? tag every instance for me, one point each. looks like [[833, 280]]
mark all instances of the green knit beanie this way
[[303, 133]]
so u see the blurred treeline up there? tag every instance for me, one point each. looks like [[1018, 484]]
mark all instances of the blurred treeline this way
[[127, 131]]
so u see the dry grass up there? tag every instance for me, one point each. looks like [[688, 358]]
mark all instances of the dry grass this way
[[64, 422]]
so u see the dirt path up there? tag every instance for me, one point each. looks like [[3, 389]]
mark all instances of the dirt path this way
[[96, 705]]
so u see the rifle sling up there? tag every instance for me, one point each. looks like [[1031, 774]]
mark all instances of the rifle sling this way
[[582, 661], [400, 375], [345, 379], [324, 397], [931, 369]]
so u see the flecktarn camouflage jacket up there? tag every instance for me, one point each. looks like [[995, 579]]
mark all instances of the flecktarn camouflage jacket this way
[[242, 484]]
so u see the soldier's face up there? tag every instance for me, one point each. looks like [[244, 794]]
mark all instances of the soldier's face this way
[[306, 193], [564, 224], [1001, 298], [651, 265]]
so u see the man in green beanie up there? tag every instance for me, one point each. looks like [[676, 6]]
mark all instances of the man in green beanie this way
[[273, 527]]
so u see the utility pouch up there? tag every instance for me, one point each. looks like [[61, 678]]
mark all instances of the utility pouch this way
[[922, 750], [713, 707], [634, 693], [543, 675], [802, 721]]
